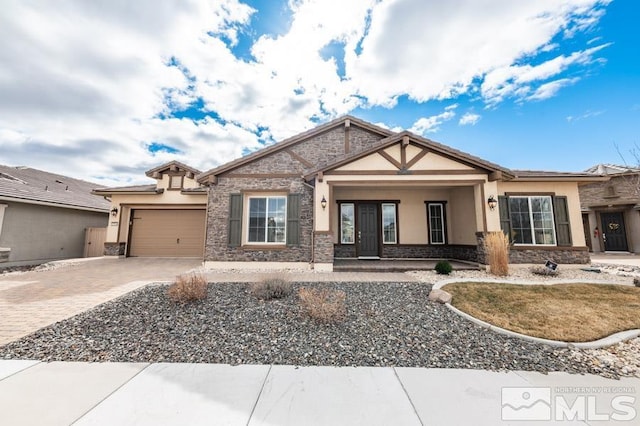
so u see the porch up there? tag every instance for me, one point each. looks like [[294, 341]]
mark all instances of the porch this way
[[397, 265]]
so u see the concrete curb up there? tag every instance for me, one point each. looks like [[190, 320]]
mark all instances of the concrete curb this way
[[596, 344]]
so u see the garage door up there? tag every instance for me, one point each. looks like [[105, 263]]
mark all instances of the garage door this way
[[167, 233]]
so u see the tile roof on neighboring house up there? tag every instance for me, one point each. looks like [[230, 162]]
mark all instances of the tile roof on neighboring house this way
[[611, 169], [536, 175], [134, 189], [27, 185]]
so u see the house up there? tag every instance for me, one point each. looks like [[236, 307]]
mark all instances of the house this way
[[611, 209], [351, 189], [44, 216], [162, 219]]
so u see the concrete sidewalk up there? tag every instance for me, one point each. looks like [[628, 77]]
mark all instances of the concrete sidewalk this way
[[64, 393]]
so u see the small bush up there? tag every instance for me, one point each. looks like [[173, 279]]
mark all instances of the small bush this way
[[496, 248], [323, 304], [636, 282], [273, 287], [543, 270], [443, 267], [188, 288]]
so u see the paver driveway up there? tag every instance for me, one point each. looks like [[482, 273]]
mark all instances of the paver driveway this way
[[35, 299]]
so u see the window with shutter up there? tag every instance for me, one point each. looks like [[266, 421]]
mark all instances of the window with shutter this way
[[293, 219], [235, 220]]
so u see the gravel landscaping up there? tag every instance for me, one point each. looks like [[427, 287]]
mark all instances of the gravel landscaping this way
[[387, 324]]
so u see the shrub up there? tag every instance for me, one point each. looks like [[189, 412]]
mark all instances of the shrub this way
[[188, 288], [496, 248], [443, 267], [272, 287], [323, 304], [543, 270]]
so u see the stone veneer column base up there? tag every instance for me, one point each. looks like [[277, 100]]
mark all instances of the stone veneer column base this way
[[114, 249], [257, 266]]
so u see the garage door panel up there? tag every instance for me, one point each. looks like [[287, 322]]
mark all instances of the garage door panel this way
[[167, 233]]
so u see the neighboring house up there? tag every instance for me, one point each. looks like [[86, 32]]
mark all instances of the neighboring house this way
[[350, 189], [163, 219], [611, 209], [43, 216]]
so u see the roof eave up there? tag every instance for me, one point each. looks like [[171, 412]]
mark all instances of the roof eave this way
[[53, 204]]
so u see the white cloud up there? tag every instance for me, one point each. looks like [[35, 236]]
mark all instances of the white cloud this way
[[469, 119], [585, 115], [432, 124], [85, 84]]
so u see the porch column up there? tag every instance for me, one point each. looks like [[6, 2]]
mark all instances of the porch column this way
[[492, 216], [322, 236], [322, 221]]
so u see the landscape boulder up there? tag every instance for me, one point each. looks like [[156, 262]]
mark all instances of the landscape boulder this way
[[441, 296]]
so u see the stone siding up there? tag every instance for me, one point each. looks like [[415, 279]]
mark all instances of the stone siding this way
[[279, 162], [216, 244], [360, 139], [557, 255], [415, 251], [560, 255], [323, 248], [625, 191], [114, 249]]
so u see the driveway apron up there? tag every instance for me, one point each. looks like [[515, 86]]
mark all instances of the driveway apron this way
[[35, 299]]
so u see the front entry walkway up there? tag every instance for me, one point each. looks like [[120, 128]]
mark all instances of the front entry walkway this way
[[32, 300]]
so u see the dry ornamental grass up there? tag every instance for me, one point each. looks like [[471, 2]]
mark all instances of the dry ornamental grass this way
[[272, 287], [567, 312], [188, 288], [323, 304], [496, 246]]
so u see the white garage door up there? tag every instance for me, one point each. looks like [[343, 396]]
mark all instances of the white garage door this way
[[167, 233]]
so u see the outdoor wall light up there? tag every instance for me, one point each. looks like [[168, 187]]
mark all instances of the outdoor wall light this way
[[114, 211], [492, 202], [323, 203]]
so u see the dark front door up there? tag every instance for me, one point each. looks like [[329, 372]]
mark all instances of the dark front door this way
[[368, 235], [613, 232]]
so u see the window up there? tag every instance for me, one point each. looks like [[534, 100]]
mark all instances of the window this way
[[437, 223], [389, 223], [267, 220], [532, 220], [347, 223], [175, 182]]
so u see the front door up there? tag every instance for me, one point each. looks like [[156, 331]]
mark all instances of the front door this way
[[368, 235], [613, 232]]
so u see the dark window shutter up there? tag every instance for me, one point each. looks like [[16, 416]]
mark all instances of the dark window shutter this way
[[235, 220], [561, 216], [293, 219], [505, 216]]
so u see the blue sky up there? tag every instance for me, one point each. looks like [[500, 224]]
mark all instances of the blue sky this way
[[106, 90]]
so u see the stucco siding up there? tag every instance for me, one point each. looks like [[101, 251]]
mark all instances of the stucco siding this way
[[36, 233]]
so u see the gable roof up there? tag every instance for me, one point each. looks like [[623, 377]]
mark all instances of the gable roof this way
[[173, 166], [33, 186], [418, 140], [293, 141]]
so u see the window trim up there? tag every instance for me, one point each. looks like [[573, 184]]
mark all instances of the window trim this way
[[443, 209], [248, 221], [533, 235], [353, 204], [395, 222]]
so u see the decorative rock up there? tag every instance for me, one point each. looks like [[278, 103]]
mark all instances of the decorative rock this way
[[441, 296]]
